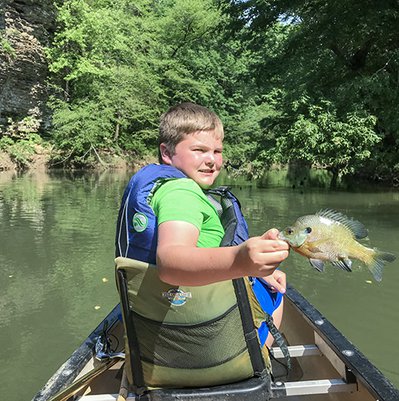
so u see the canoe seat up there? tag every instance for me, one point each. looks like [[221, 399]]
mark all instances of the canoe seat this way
[[137, 278], [166, 358]]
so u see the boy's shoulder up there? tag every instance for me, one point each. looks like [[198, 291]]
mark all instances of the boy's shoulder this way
[[171, 185], [178, 191], [178, 194]]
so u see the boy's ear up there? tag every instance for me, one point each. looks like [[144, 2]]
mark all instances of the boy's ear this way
[[166, 154]]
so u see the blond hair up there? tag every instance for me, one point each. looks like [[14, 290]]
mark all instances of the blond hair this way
[[184, 119]]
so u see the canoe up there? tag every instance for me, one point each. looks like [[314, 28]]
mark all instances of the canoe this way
[[325, 366]]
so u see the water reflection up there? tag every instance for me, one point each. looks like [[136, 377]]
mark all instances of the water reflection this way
[[57, 245], [296, 177], [56, 236]]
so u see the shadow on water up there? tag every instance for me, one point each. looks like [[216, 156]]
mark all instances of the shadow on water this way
[[301, 177], [295, 177]]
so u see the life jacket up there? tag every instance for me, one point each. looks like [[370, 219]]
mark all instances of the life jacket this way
[[136, 232], [186, 336]]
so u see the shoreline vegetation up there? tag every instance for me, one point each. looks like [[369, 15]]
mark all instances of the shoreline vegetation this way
[[297, 176], [109, 69], [43, 158]]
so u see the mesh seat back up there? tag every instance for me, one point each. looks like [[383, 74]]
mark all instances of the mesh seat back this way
[[186, 336]]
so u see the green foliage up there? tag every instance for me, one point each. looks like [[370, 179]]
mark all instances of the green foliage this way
[[6, 46], [79, 129], [248, 142], [121, 66], [112, 95], [322, 139], [336, 64], [293, 81], [20, 140], [21, 129]]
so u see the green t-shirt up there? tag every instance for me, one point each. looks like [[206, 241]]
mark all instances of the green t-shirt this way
[[183, 200]]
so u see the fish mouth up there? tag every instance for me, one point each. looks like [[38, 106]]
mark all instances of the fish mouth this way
[[298, 243], [294, 242], [281, 236]]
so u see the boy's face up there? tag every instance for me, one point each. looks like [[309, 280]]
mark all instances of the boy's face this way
[[198, 155]]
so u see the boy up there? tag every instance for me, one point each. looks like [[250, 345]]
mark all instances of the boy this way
[[186, 237]]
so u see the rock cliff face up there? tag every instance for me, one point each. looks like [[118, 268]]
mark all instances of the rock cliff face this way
[[26, 27]]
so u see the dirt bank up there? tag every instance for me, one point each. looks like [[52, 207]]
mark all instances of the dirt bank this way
[[38, 161], [6, 163], [41, 160]]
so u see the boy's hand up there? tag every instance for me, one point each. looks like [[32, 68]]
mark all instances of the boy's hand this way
[[276, 281], [260, 256], [271, 234]]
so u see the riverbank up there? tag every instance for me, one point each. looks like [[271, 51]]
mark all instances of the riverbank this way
[[6, 163], [42, 159], [38, 160]]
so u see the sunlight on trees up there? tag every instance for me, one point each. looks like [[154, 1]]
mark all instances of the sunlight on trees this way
[[293, 81]]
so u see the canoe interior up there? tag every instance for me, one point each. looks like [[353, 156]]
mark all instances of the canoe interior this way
[[109, 381], [298, 331], [302, 325]]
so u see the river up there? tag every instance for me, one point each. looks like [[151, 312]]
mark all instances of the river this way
[[57, 279]]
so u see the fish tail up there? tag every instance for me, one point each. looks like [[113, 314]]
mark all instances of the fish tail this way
[[378, 262]]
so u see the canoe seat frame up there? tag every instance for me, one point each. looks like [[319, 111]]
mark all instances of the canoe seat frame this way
[[257, 388]]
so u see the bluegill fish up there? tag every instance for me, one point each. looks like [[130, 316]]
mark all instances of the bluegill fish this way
[[329, 236]]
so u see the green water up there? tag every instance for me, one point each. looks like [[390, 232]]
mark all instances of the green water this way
[[56, 258]]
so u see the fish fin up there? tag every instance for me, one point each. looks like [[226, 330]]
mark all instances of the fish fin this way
[[356, 227], [317, 264], [314, 248], [344, 264], [379, 261], [348, 264]]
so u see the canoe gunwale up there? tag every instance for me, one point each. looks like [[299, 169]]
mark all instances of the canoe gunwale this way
[[357, 364]]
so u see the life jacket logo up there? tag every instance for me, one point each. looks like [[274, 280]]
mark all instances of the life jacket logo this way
[[177, 297], [140, 222]]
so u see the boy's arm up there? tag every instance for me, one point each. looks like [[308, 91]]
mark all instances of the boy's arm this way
[[181, 262]]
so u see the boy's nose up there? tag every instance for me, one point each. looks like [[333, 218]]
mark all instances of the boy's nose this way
[[210, 159]]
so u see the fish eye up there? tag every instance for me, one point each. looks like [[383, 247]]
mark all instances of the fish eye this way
[[289, 231], [308, 230]]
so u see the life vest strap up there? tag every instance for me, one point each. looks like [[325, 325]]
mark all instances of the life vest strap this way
[[250, 332], [279, 339]]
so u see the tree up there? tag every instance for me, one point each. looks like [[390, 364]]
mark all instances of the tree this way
[[121, 65], [345, 54], [103, 55], [320, 139]]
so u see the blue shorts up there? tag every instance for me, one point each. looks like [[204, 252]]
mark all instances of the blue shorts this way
[[268, 300]]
